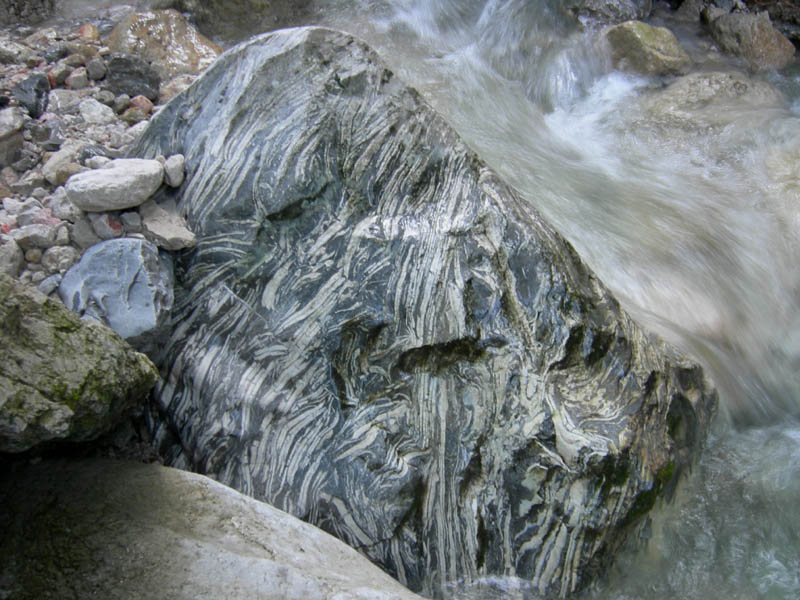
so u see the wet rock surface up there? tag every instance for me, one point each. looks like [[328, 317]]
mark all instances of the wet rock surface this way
[[375, 334], [647, 50], [61, 379]]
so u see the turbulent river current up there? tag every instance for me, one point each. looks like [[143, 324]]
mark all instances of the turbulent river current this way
[[695, 229]]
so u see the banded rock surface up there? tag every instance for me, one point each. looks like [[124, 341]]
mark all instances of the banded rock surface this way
[[375, 334]]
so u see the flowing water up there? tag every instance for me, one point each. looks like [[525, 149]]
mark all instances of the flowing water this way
[[694, 225]]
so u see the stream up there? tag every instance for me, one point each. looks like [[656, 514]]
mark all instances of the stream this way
[[695, 229]]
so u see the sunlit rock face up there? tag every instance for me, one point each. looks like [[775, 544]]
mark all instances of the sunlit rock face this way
[[375, 334]]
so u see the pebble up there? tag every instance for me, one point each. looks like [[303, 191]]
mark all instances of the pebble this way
[[105, 226], [174, 170], [95, 112], [78, 79]]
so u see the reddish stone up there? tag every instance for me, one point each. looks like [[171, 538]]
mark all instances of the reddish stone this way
[[45, 217], [142, 103], [52, 79], [89, 33]]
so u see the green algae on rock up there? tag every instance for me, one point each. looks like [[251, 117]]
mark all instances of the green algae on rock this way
[[61, 378]]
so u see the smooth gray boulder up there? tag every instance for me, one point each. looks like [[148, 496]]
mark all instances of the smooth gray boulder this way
[[122, 183], [61, 379], [377, 335], [121, 530], [125, 284]]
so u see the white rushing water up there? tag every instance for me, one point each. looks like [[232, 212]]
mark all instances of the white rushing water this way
[[695, 227]]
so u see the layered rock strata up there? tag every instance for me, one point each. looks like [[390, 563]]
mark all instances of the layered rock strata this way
[[375, 334]]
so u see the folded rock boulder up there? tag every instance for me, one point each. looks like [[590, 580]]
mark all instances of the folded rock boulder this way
[[377, 335]]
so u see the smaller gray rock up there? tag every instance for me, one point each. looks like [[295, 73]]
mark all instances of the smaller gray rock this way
[[105, 97], [96, 69], [97, 162], [60, 71], [82, 233], [78, 79], [32, 94], [48, 285], [66, 101], [34, 236], [34, 255], [12, 258], [59, 258], [105, 226], [174, 170], [752, 37], [128, 74], [131, 221], [125, 284], [163, 225], [11, 140], [121, 103], [122, 183], [61, 206], [28, 182], [95, 112], [15, 206]]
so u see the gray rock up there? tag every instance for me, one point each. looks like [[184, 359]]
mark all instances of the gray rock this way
[[105, 226], [60, 71], [752, 37], [646, 49], [61, 378], [609, 11], [33, 255], [78, 79], [121, 102], [105, 97], [131, 221], [14, 53], [61, 206], [63, 164], [174, 170], [162, 224], [122, 529], [59, 258], [32, 94], [28, 182], [377, 334], [96, 69], [96, 112], [122, 183], [34, 236], [97, 162], [48, 285], [124, 284], [82, 233], [131, 75], [66, 101], [27, 11], [11, 257], [15, 206], [11, 140]]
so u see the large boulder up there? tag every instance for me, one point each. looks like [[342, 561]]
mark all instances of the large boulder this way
[[165, 39], [122, 183], [61, 378], [125, 284], [377, 335], [119, 530], [646, 49], [753, 38]]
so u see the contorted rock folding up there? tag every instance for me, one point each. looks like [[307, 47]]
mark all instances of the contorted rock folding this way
[[374, 333]]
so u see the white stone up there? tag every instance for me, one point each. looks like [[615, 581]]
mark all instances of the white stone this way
[[96, 112], [163, 225], [123, 183], [59, 258], [174, 170]]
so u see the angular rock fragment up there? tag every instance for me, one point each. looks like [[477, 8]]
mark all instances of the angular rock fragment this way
[[376, 334], [163, 225], [32, 94], [11, 140], [127, 74], [125, 284], [61, 378]]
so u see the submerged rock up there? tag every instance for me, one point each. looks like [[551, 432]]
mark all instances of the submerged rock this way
[[375, 334], [646, 50], [61, 378], [119, 530]]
